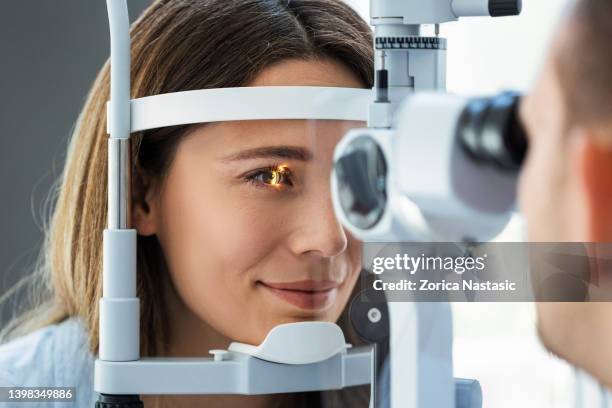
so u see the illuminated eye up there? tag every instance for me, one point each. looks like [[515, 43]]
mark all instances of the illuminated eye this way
[[276, 176]]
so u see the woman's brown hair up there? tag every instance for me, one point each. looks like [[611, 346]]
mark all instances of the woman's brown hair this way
[[177, 45]]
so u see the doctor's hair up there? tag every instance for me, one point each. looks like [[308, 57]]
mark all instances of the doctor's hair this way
[[177, 45], [585, 64]]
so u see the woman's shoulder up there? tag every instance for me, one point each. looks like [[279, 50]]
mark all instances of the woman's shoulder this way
[[56, 355]]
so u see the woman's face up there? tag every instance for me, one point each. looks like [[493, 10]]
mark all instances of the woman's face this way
[[246, 221]]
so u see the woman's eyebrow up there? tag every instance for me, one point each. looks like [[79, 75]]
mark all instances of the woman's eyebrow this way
[[281, 152]]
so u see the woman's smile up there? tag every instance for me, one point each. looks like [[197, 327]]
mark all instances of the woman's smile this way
[[306, 294]]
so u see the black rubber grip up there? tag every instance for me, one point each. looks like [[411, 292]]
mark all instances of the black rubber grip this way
[[501, 8], [119, 401]]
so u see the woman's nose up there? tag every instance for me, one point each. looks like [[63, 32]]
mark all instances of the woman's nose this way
[[318, 230]]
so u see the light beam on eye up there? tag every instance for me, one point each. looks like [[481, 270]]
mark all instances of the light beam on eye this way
[[277, 175]]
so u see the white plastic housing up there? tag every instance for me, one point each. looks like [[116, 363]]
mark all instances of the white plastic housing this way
[[459, 198], [421, 343], [119, 306], [248, 103], [119, 24], [413, 11], [435, 192], [402, 219], [469, 8], [237, 373]]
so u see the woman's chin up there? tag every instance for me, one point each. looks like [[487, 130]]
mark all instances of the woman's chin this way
[[277, 317]]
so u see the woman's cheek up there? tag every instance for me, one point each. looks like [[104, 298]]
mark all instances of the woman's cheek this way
[[244, 231]]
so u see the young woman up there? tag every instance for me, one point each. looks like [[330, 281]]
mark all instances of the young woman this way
[[236, 230]]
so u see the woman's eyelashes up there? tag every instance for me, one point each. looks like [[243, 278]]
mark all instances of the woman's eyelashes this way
[[271, 177]]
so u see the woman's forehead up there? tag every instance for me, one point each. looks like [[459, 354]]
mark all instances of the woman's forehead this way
[[311, 72], [317, 135]]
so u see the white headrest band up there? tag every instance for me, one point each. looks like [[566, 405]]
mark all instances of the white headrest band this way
[[248, 103]]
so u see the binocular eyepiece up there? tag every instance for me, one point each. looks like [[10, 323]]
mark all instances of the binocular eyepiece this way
[[490, 131]]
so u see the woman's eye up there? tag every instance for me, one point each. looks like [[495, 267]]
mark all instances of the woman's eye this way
[[276, 176]]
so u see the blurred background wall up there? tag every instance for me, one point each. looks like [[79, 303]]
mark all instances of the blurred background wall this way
[[50, 53]]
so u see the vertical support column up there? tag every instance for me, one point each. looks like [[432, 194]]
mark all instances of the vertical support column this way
[[421, 344], [119, 306]]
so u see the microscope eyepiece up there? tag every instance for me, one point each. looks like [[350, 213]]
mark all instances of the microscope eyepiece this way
[[490, 131]]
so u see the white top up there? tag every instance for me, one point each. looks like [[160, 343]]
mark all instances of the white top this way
[[56, 355]]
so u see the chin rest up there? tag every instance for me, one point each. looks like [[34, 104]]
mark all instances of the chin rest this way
[[297, 343]]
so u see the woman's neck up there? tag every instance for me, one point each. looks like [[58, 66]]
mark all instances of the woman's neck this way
[[188, 334]]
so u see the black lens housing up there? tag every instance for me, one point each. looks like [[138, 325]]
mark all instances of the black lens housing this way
[[490, 131]]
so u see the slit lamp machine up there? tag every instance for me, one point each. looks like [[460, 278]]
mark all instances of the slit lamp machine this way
[[429, 167]]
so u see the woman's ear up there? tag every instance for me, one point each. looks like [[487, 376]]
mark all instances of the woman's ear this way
[[595, 172], [144, 203]]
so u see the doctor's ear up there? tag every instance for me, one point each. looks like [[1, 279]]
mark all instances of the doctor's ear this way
[[144, 203], [595, 172]]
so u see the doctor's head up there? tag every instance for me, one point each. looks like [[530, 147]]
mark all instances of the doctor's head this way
[[566, 185], [236, 229]]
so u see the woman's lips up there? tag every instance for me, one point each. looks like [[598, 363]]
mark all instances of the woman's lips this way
[[306, 294]]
